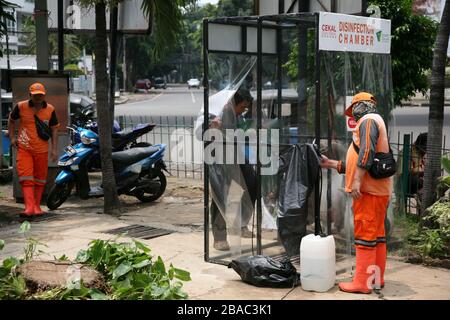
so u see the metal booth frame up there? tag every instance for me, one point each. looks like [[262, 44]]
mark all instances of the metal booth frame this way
[[278, 22]]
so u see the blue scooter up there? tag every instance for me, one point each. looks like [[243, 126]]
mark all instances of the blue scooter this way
[[138, 171], [121, 139]]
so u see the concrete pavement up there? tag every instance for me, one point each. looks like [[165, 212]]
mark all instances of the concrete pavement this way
[[181, 211]]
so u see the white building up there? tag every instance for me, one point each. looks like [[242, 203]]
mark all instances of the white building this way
[[25, 10]]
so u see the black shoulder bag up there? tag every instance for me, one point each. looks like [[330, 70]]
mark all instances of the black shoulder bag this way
[[43, 130], [383, 166]]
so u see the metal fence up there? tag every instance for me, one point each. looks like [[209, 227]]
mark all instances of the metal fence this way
[[184, 154], [408, 182]]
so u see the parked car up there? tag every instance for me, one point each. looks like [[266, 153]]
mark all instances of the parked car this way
[[142, 84], [193, 83], [160, 83]]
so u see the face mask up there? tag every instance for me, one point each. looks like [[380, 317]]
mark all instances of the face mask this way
[[362, 108]]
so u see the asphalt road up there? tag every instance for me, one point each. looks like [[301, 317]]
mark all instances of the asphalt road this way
[[174, 101]]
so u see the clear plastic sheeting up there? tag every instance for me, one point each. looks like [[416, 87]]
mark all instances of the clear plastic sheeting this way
[[230, 157]]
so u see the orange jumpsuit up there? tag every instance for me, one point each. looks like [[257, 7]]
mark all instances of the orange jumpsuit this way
[[370, 209], [32, 154]]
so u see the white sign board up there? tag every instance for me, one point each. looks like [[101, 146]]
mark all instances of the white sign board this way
[[340, 32], [131, 18]]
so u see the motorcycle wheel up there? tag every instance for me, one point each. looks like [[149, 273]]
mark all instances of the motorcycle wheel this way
[[58, 194], [145, 196]]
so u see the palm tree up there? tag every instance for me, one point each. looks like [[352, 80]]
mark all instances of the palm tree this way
[[111, 200], [166, 16], [166, 20], [436, 116], [72, 49]]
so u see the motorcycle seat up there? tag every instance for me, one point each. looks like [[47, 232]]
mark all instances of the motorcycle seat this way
[[138, 130], [130, 156], [122, 134]]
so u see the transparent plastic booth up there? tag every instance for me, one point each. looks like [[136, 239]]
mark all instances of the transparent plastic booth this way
[[264, 189]]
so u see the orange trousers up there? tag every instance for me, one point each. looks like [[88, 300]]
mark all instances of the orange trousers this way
[[369, 215], [32, 168]]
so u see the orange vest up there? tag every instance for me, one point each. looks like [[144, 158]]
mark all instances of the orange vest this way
[[28, 138], [377, 187]]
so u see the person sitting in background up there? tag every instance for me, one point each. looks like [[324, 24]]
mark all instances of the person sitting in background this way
[[417, 160]]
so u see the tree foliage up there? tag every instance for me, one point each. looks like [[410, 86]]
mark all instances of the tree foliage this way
[[72, 45], [5, 15], [411, 48], [412, 44]]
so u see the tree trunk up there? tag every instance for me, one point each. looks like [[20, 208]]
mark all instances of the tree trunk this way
[[113, 59], [436, 116], [45, 275], [111, 200]]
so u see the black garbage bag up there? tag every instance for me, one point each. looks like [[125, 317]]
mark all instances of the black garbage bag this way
[[298, 173], [263, 271]]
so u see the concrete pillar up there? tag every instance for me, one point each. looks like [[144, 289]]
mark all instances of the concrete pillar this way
[[42, 52]]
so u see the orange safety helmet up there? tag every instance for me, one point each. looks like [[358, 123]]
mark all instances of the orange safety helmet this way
[[362, 96], [37, 88]]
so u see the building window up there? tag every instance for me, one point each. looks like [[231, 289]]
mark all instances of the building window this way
[[11, 25]]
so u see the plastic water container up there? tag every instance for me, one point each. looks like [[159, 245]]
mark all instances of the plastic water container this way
[[317, 263]]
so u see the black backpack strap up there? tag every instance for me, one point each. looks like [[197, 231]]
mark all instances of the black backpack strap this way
[[355, 147]]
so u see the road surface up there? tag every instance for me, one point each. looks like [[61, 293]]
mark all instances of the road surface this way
[[174, 101]]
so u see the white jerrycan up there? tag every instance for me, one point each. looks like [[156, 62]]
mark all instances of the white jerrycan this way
[[317, 263]]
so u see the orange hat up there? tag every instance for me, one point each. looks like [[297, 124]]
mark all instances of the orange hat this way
[[362, 96], [37, 88]]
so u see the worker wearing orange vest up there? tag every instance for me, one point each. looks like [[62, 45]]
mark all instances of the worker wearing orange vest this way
[[32, 151], [370, 196]]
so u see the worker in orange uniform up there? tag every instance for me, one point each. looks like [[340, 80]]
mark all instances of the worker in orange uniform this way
[[370, 196], [32, 150]]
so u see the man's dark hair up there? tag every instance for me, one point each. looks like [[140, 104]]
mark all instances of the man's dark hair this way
[[242, 95], [421, 142]]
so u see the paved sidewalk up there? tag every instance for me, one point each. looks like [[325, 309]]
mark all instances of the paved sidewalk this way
[[181, 211]]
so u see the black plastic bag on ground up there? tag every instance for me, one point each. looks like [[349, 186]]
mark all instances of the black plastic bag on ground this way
[[262, 271]]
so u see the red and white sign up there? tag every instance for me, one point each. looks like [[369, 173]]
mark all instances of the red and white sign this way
[[351, 123], [341, 32]]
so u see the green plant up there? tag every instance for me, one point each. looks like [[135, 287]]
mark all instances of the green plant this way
[[76, 291], [444, 182], [432, 244], [446, 165], [131, 273], [31, 244], [11, 286], [434, 240], [73, 70]]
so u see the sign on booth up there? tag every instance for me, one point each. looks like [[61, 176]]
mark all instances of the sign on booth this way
[[340, 32]]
